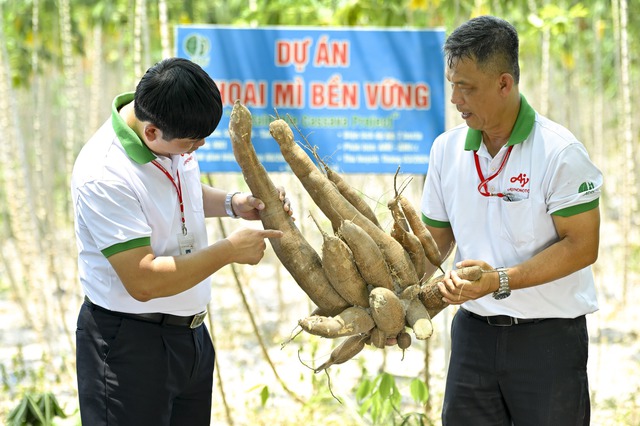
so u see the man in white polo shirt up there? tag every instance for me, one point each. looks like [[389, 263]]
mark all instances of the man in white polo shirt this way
[[144, 356], [518, 195]]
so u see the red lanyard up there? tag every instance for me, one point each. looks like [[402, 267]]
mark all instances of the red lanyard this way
[[482, 188], [178, 188]]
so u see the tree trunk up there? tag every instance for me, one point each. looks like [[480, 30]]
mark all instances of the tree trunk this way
[[627, 136], [163, 18]]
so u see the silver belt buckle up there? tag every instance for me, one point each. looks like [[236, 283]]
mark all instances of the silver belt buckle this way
[[198, 319]]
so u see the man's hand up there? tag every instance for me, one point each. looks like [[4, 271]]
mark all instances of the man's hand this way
[[248, 245], [248, 207], [456, 291]]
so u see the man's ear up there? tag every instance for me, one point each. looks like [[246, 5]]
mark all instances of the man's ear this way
[[151, 132], [506, 83]]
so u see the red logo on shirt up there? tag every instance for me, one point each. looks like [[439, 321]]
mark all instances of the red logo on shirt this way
[[188, 159], [522, 179]]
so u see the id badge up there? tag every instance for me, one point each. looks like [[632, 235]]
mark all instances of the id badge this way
[[186, 243]]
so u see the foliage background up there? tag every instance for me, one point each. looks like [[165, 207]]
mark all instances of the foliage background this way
[[63, 61]]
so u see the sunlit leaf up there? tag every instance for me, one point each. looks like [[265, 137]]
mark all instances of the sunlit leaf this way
[[363, 389], [264, 395], [535, 20], [386, 383], [418, 4], [419, 391]]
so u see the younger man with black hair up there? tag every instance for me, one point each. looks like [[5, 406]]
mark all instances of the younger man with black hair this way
[[144, 356]]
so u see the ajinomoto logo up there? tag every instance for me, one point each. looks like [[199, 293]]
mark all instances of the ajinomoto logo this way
[[586, 187], [197, 47]]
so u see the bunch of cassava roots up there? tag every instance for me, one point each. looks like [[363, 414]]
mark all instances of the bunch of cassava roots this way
[[369, 285]]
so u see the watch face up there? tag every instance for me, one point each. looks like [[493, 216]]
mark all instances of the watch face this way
[[500, 296]]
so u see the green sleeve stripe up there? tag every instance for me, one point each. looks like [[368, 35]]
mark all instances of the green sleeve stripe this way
[[435, 223], [127, 245], [581, 208]]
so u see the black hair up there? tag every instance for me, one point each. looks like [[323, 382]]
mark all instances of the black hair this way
[[491, 42], [180, 98]]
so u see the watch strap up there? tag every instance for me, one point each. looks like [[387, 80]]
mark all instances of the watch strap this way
[[228, 207], [503, 290]]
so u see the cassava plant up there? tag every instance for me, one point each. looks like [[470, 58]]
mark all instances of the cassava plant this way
[[369, 285]]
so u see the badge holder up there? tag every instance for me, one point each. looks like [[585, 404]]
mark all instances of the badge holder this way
[[186, 242]]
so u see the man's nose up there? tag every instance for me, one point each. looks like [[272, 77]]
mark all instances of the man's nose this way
[[456, 98]]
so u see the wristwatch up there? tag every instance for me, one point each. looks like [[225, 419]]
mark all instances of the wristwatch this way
[[228, 207], [503, 290]]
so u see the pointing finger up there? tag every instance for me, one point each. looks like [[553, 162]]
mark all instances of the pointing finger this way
[[272, 233]]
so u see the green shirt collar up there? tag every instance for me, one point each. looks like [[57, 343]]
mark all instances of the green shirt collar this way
[[132, 144], [521, 129]]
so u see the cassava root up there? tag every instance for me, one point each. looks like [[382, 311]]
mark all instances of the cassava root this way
[[295, 253], [369, 286]]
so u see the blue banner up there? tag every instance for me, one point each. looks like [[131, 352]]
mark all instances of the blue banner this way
[[369, 100]]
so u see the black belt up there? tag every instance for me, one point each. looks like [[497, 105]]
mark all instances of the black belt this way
[[502, 320], [193, 321]]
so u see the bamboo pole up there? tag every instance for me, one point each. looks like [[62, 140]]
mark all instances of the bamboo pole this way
[[17, 265], [71, 88], [163, 18], [629, 206], [545, 71], [137, 36]]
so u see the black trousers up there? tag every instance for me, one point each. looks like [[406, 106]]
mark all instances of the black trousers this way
[[532, 374], [138, 373]]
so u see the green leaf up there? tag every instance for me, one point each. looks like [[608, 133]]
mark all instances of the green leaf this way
[[251, 389], [44, 403], [363, 390], [386, 384], [264, 395], [395, 398], [50, 407], [385, 411], [365, 405], [375, 410], [419, 391], [19, 414], [34, 415]]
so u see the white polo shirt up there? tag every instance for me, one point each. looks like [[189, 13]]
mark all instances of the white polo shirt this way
[[122, 201], [548, 173]]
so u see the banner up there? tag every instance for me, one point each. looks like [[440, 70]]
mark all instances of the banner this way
[[369, 100]]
